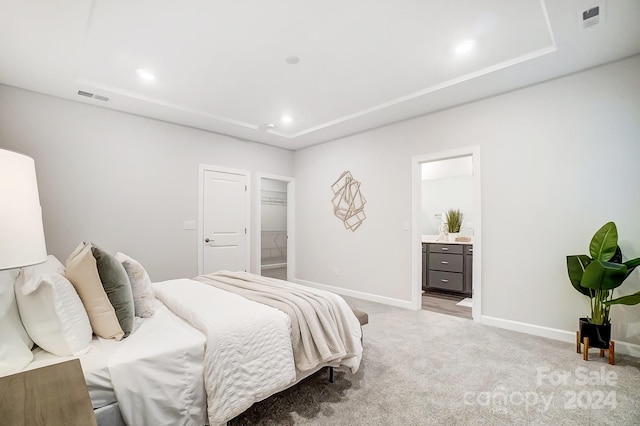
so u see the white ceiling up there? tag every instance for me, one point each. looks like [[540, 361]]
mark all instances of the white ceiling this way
[[222, 65]]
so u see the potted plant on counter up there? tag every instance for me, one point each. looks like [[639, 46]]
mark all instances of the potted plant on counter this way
[[454, 222], [597, 276]]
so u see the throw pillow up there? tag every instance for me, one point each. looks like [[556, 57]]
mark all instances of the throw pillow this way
[[143, 295], [115, 282], [82, 271]]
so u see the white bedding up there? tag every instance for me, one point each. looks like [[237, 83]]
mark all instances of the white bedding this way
[[155, 374], [248, 352], [324, 328], [94, 368]]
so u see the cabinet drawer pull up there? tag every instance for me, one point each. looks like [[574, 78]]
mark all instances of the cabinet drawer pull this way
[[444, 262], [445, 248], [445, 281]]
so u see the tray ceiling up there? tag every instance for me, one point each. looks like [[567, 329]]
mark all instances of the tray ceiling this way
[[334, 68]]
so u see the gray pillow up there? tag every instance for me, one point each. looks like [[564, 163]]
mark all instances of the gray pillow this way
[[115, 282]]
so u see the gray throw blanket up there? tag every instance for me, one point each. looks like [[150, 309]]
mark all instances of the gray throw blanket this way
[[323, 327]]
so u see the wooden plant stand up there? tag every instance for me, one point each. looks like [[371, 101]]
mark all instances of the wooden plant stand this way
[[585, 342]]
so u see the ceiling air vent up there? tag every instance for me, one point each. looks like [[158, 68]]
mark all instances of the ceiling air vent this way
[[592, 16], [91, 95]]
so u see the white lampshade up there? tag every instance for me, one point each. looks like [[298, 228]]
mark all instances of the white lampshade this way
[[21, 232]]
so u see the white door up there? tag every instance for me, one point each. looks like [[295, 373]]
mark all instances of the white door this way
[[224, 214]]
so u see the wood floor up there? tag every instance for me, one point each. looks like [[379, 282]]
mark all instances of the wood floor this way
[[445, 304]]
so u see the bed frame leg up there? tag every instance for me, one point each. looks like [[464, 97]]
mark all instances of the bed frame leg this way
[[330, 374]]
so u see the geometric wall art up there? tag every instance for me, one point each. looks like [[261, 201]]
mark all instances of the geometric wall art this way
[[348, 201]]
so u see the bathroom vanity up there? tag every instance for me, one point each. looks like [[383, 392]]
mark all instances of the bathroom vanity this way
[[447, 266]]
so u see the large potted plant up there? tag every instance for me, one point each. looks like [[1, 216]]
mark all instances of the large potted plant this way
[[597, 276]]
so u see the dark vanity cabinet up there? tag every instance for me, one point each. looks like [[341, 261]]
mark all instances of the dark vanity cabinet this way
[[424, 266], [447, 267], [468, 268]]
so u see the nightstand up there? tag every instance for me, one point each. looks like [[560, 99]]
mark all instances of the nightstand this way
[[48, 396]]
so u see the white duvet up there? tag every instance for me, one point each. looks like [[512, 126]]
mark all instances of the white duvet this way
[[248, 353], [157, 372]]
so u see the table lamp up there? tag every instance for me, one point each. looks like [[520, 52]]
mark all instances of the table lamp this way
[[21, 231]]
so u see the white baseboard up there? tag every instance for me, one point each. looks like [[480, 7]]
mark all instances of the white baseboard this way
[[554, 333], [358, 294]]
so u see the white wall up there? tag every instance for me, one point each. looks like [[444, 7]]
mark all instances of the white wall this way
[[446, 184], [440, 195], [451, 167], [126, 183], [558, 160]]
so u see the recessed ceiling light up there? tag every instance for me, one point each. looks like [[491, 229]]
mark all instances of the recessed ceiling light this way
[[292, 60], [465, 47], [146, 75], [286, 118]]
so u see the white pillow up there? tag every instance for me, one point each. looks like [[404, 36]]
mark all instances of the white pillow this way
[[143, 294], [15, 344], [51, 309]]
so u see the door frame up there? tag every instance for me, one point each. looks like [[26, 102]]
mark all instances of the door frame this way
[[416, 237], [202, 168], [291, 260]]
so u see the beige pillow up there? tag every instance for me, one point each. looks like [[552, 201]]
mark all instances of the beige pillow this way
[[82, 271]]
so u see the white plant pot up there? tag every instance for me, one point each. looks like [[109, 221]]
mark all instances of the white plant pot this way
[[453, 236]]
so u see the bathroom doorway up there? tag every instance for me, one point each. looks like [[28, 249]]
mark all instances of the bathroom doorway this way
[[446, 270]]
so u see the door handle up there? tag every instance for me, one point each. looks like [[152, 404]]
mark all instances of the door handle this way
[[206, 240]]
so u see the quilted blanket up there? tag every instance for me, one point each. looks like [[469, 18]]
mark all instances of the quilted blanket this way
[[324, 329], [248, 353]]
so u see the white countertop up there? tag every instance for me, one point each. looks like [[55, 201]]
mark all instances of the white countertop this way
[[433, 239]]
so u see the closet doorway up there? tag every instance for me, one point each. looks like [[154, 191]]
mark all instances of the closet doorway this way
[[446, 281], [275, 207]]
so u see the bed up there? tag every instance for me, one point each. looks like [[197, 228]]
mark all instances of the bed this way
[[214, 345]]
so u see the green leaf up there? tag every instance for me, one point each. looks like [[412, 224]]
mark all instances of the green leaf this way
[[632, 299], [631, 265], [603, 275], [604, 242], [575, 267]]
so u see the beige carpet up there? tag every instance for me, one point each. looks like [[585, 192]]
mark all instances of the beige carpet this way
[[424, 368]]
